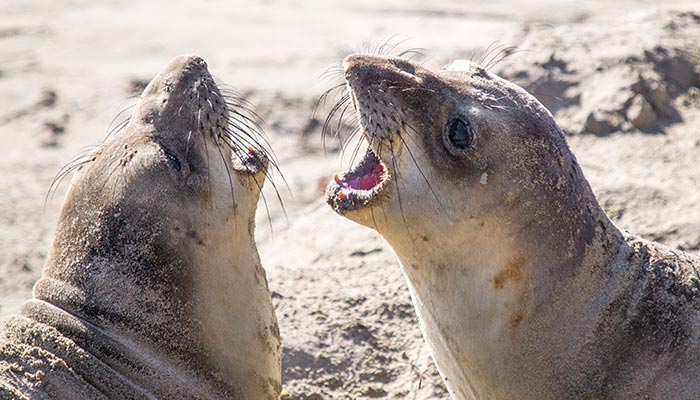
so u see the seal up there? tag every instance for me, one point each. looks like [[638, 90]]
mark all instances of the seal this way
[[153, 286], [523, 286]]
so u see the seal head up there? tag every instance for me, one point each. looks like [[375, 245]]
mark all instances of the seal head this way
[[153, 285], [512, 265]]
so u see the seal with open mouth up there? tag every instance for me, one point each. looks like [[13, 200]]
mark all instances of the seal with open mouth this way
[[153, 286], [523, 286]]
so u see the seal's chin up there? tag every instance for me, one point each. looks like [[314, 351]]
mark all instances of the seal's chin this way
[[358, 187]]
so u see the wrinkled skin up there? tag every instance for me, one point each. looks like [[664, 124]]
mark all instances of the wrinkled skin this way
[[153, 286], [523, 286]]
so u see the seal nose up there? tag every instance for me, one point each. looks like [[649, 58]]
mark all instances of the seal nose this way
[[189, 70], [353, 60], [365, 69], [197, 62], [358, 64], [361, 70], [192, 63]]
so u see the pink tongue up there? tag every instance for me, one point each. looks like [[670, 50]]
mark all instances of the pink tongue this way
[[366, 182]]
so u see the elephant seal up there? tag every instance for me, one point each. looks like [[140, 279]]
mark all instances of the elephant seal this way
[[153, 286], [523, 286]]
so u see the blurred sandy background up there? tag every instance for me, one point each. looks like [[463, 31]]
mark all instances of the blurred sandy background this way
[[621, 77]]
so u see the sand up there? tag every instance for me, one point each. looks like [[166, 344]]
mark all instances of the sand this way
[[620, 78]]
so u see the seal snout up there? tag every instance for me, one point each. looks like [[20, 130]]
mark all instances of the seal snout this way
[[190, 71], [185, 98], [192, 67], [362, 70], [190, 62], [180, 76], [195, 120], [375, 86], [196, 62]]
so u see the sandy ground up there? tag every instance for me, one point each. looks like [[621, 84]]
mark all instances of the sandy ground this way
[[621, 78]]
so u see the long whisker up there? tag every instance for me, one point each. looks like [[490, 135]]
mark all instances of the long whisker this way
[[228, 140], [267, 208], [87, 156], [345, 142], [502, 55], [76, 163], [398, 190], [358, 146], [487, 52], [420, 170], [418, 52], [228, 173], [328, 122], [245, 130]]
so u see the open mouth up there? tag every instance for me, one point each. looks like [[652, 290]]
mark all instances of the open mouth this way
[[357, 187]]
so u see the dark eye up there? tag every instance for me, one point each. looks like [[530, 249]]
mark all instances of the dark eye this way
[[173, 161], [460, 133]]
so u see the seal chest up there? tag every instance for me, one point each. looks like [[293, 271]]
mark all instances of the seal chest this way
[[523, 286], [153, 286]]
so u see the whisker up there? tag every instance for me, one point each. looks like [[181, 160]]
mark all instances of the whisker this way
[[325, 129], [346, 141], [112, 130], [415, 162], [418, 52], [87, 156], [331, 72], [398, 190], [502, 55], [357, 148], [267, 208], [237, 141], [76, 163], [230, 178], [487, 51], [387, 47]]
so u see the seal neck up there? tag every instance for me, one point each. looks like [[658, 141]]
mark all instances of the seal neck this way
[[198, 302], [492, 298], [117, 364]]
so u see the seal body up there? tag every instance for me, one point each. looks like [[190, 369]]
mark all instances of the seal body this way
[[153, 286], [523, 286]]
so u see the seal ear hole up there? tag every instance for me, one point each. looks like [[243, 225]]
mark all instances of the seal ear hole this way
[[459, 134]]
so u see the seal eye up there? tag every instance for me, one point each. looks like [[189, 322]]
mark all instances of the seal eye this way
[[173, 161], [460, 133]]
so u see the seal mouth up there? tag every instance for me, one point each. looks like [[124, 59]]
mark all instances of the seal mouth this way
[[381, 122], [251, 161], [357, 187]]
